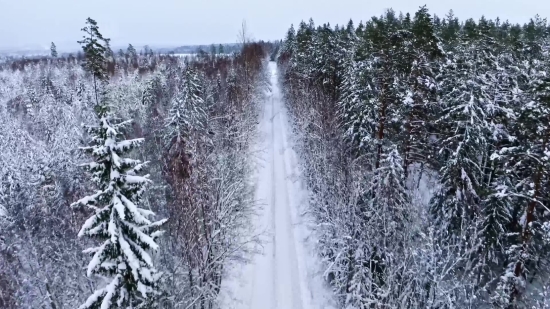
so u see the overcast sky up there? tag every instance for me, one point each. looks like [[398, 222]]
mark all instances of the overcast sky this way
[[36, 23]]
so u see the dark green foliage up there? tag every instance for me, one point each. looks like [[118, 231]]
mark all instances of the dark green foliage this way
[[53, 50], [94, 50]]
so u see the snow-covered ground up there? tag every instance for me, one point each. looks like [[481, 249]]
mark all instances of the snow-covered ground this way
[[286, 274]]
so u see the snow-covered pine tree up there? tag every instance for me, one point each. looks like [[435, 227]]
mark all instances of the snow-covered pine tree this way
[[464, 127], [324, 60], [382, 79], [348, 92], [529, 165], [423, 52], [152, 91], [389, 199], [132, 56], [187, 112], [288, 45], [126, 230], [304, 51], [94, 50], [498, 201], [385, 232]]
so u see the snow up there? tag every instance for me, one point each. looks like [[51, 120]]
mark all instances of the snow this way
[[117, 204], [137, 216], [96, 260], [184, 55], [287, 273], [3, 212], [108, 291], [144, 238], [131, 258], [87, 225]]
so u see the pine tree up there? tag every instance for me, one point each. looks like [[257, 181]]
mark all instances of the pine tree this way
[[349, 94], [422, 53], [324, 60], [95, 62], [151, 91], [303, 53], [464, 115], [187, 113], [450, 30], [94, 50], [498, 202], [529, 164], [132, 55], [385, 223], [389, 202], [53, 51], [382, 111]]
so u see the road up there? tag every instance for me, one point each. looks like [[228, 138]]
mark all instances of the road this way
[[284, 275]]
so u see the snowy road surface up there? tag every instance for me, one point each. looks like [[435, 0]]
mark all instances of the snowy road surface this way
[[286, 274]]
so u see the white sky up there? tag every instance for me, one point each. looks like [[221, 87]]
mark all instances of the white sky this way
[[36, 23]]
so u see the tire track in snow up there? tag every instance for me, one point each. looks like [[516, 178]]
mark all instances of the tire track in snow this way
[[273, 227], [288, 289]]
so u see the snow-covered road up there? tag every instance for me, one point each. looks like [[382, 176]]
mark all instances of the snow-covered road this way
[[286, 274]]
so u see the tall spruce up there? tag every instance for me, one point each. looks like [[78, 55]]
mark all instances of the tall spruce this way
[[126, 231]]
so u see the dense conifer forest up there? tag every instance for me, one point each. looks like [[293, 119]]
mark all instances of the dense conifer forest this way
[[425, 143]]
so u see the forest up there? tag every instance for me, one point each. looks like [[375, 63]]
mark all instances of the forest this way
[[129, 179], [425, 148], [75, 135]]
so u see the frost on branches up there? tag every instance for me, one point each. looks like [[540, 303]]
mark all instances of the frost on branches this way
[[126, 230]]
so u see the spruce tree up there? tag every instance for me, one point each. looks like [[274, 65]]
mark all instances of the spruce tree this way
[[187, 113], [289, 41], [389, 202], [126, 231], [349, 95], [53, 50]]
